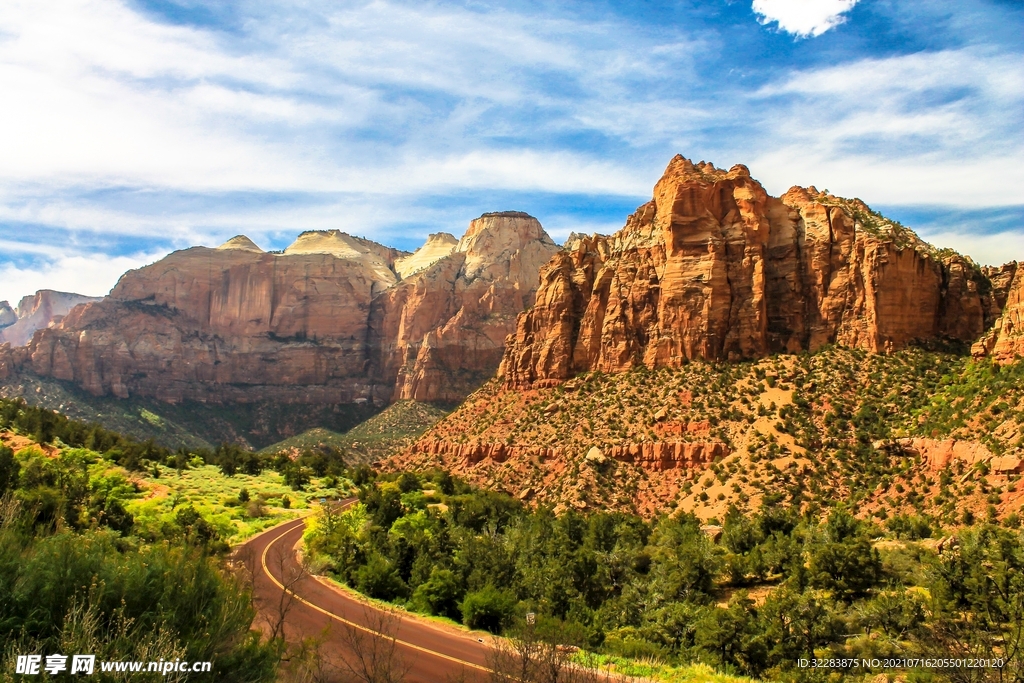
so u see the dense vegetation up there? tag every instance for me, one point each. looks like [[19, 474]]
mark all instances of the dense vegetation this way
[[109, 546], [76, 579], [776, 586], [381, 436]]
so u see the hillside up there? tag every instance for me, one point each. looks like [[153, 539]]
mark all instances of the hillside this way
[[381, 436], [191, 424], [921, 431]]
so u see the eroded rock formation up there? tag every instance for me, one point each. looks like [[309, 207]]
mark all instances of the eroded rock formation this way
[[1005, 341], [715, 268], [36, 311], [441, 333], [329, 320], [656, 456]]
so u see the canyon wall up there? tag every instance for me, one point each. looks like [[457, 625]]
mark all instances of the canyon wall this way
[[715, 268], [36, 311], [329, 320], [441, 333], [1005, 341]]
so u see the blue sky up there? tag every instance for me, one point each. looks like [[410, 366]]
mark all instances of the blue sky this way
[[129, 128]]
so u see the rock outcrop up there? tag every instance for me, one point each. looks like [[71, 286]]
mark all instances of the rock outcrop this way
[[36, 311], [715, 268], [441, 333], [1005, 341], [329, 320], [657, 456]]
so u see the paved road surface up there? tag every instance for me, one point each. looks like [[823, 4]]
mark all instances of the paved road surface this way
[[435, 653]]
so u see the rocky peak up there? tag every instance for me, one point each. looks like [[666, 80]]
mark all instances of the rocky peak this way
[[341, 245], [326, 321], [716, 268], [437, 246], [241, 242], [495, 241], [443, 328]]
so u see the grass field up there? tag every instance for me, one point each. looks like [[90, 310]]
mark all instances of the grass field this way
[[215, 497]]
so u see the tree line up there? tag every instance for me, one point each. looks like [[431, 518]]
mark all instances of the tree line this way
[[752, 595]]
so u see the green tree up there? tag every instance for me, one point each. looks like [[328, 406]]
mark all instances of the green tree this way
[[9, 470], [844, 560], [489, 609], [440, 594], [379, 579]]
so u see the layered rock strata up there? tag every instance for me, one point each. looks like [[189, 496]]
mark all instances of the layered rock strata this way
[[715, 268], [329, 320], [1005, 341], [441, 333], [658, 456]]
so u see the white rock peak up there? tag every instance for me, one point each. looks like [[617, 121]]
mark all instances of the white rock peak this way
[[437, 246], [241, 242]]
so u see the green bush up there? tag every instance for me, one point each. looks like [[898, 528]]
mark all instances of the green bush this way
[[489, 609], [378, 579], [439, 595]]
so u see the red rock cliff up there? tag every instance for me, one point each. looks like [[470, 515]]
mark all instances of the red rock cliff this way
[[715, 268], [1005, 341], [441, 333], [326, 321]]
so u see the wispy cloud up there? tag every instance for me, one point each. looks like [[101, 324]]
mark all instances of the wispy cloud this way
[[392, 119], [92, 274], [934, 127]]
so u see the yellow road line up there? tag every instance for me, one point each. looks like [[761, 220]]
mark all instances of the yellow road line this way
[[343, 620]]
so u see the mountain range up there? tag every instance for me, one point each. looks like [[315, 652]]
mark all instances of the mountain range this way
[[721, 314]]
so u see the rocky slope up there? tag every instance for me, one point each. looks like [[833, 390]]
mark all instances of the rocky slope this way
[[328, 321], [37, 311], [913, 431], [715, 268]]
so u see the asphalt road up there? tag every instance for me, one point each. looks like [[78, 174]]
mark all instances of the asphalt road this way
[[433, 653]]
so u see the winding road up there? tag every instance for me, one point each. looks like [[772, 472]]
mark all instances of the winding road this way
[[433, 652]]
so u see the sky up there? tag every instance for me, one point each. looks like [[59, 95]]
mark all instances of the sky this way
[[130, 128]]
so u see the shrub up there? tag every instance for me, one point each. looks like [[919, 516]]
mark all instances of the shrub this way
[[489, 609], [408, 482], [439, 594], [379, 579]]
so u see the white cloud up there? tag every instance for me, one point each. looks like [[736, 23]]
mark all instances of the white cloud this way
[[987, 250], [803, 18], [91, 274], [938, 128]]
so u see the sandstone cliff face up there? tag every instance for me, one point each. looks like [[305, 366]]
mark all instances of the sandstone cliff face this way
[[42, 309], [715, 268], [326, 321], [1005, 341], [441, 333]]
